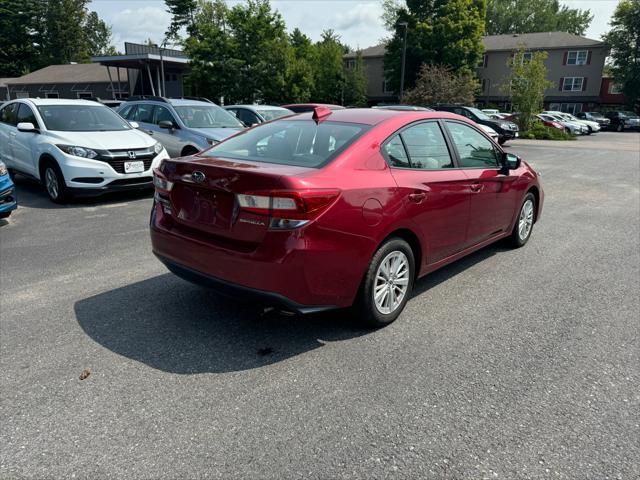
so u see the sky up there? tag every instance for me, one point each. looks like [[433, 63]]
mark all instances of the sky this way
[[356, 21]]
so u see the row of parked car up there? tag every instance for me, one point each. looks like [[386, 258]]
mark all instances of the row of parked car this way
[[58, 141]]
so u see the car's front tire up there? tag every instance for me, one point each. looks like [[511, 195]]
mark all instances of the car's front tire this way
[[53, 181], [4, 215], [387, 284], [524, 223]]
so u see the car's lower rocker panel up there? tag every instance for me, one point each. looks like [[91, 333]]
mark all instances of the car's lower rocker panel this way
[[239, 291]]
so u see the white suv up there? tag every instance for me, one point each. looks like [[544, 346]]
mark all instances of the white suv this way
[[76, 147]]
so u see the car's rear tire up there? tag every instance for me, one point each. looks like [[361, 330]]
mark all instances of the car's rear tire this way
[[53, 181], [188, 151], [387, 284], [4, 215], [524, 223], [502, 141]]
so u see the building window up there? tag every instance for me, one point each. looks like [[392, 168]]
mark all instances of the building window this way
[[526, 57], [85, 95], [577, 57], [386, 88], [615, 89], [482, 63], [572, 84], [571, 108], [51, 95], [351, 64], [485, 85]]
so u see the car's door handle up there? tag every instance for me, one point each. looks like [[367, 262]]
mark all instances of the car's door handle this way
[[417, 197], [476, 187], [150, 132]]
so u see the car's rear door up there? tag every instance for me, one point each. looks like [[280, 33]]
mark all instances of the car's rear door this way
[[8, 130], [22, 143], [436, 193], [492, 196]]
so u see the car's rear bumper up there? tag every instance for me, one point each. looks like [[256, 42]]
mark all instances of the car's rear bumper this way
[[309, 270], [240, 292]]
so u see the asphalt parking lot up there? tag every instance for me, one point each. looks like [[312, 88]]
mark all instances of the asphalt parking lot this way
[[507, 364]]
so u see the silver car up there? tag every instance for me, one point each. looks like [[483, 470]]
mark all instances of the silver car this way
[[251, 115], [183, 126]]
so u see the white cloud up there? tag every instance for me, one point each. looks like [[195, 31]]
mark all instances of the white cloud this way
[[138, 24]]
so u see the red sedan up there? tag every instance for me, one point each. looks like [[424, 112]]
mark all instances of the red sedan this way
[[340, 208]]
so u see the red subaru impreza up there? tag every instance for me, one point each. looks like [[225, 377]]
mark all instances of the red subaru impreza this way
[[334, 209]]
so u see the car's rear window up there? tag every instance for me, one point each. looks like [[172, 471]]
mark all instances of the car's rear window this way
[[300, 143]]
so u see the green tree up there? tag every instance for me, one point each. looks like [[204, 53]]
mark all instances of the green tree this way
[[184, 14], [445, 32], [20, 40], [98, 36], [439, 84], [355, 88], [624, 40], [300, 71], [527, 16], [64, 35], [328, 74], [526, 84]]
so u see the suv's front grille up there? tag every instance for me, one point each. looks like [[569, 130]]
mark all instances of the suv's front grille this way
[[116, 158]]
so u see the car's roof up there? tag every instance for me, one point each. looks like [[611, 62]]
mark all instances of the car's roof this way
[[257, 107], [62, 101], [171, 101], [373, 116]]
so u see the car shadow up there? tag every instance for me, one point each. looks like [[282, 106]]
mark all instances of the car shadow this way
[[174, 326], [177, 327], [33, 195]]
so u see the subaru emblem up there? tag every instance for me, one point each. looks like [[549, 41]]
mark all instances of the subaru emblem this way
[[198, 177], [132, 154]]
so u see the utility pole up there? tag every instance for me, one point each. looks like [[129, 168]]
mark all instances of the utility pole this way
[[404, 57]]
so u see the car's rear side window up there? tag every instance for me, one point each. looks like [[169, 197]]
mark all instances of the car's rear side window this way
[[301, 143], [421, 146]]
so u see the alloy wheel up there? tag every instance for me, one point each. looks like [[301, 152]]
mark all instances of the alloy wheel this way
[[391, 282], [51, 183], [525, 222]]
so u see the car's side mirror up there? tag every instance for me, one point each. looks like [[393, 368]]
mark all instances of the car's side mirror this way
[[511, 161], [27, 127], [134, 124], [168, 124]]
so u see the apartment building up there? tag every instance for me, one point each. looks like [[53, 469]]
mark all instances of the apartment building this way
[[574, 66]]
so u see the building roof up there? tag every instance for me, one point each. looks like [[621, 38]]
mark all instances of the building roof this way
[[70, 73], [5, 81], [376, 51], [541, 40], [61, 101]]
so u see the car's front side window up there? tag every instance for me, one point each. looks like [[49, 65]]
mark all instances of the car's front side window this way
[[25, 115], [162, 114], [474, 149]]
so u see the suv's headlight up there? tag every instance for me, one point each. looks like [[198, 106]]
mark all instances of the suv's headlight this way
[[78, 151], [504, 126], [157, 148], [3, 169]]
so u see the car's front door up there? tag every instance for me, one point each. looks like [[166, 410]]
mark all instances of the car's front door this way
[[492, 195], [436, 193], [22, 143], [170, 138]]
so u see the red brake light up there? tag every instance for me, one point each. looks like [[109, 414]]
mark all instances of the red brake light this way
[[286, 204]]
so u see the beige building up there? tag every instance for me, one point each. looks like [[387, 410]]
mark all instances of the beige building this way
[[574, 66]]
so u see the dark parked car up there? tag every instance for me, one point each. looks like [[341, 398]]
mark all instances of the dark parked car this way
[[252, 115], [603, 121], [310, 107], [623, 120], [338, 209], [506, 129]]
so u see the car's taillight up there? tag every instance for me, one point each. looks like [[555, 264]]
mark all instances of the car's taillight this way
[[288, 209], [160, 181]]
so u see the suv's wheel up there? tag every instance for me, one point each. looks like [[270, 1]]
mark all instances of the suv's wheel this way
[[524, 224], [53, 181], [387, 284]]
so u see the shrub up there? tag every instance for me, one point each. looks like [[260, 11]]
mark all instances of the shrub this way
[[538, 131]]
